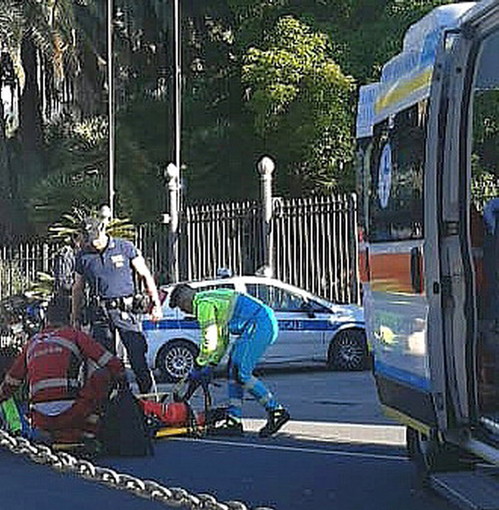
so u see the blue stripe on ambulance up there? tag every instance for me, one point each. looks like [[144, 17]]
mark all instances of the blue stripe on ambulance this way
[[284, 325], [403, 376]]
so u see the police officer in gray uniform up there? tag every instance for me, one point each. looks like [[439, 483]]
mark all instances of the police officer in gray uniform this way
[[107, 265]]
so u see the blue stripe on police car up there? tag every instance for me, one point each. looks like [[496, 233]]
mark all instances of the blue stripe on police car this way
[[284, 325]]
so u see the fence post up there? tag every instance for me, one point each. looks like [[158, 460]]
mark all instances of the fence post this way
[[172, 172], [45, 258], [265, 168], [354, 249]]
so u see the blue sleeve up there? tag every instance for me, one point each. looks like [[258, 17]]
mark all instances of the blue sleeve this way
[[78, 264], [490, 212], [130, 250]]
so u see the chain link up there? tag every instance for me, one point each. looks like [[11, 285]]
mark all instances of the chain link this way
[[148, 489]]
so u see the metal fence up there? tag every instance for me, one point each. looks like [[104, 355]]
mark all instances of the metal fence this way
[[313, 239], [314, 243], [152, 241], [219, 235], [21, 264]]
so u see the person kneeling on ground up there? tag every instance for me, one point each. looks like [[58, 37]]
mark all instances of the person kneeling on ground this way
[[220, 313], [61, 409]]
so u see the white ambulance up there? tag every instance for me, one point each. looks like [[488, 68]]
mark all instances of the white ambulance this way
[[428, 142]]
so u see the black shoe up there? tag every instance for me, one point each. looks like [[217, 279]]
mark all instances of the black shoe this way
[[92, 448], [231, 427], [277, 418], [86, 448]]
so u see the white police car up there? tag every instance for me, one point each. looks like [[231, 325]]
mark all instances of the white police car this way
[[311, 329]]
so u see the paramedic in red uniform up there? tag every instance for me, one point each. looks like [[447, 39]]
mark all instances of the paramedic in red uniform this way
[[50, 362]]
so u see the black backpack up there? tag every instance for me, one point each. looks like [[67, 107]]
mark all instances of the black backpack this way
[[124, 429], [64, 269]]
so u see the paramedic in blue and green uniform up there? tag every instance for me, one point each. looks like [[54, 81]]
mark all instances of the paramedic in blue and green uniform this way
[[108, 265], [225, 312]]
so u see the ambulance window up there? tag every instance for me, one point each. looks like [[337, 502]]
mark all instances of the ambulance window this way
[[396, 192], [363, 176], [485, 151], [484, 231]]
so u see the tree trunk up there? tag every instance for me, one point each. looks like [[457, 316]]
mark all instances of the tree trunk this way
[[30, 123], [5, 181]]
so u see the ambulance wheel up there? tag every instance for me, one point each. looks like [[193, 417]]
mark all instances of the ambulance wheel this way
[[348, 351], [431, 455], [176, 360], [411, 442]]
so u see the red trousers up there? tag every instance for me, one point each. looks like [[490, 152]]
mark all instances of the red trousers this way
[[81, 420]]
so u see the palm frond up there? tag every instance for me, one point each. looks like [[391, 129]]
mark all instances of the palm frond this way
[[42, 287], [69, 226], [122, 228]]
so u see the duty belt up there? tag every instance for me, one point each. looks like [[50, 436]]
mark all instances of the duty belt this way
[[121, 303]]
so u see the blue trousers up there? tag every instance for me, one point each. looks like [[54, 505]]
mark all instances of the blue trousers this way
[[259, 331], [104, 327]]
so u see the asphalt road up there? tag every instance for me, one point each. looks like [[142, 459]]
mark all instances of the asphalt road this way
[[338, 452]]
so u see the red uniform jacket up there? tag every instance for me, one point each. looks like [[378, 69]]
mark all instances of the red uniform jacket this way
[[51, 362]]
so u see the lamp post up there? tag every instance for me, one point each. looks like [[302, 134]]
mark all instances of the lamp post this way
[[173, 174], [173, 169], [266, 167], [177, 44], [111, 106]]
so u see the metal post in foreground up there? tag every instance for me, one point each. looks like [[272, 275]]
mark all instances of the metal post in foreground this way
[[173, 174], [178, 82], [265, 168], [111, 105]]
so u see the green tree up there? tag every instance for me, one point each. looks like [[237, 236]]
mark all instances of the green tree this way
[[78, 153], [367, 33], [37, 40], [259, 76], [302, 106], [485, 158], [219, 143], [78, 150]]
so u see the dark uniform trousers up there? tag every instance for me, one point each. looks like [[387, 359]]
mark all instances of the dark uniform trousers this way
[[105, 323]]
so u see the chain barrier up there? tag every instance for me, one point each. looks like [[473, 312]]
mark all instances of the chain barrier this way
[[148, 489]]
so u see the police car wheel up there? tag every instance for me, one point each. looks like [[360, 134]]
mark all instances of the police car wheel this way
[[348, 351], [176, 359]]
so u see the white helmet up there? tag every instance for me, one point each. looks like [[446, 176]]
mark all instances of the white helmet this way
[[223, 272]]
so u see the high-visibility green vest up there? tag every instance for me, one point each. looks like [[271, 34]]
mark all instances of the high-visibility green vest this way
[[11, 415], [213, 310]]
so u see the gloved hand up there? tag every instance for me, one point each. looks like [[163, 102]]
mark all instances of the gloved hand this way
[[201, 375], [198, 376], [121, 380]]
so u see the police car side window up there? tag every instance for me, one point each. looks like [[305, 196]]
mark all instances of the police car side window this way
[[317, 307], [278, 299], [217, 287], [261, 292], [287, 301]]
